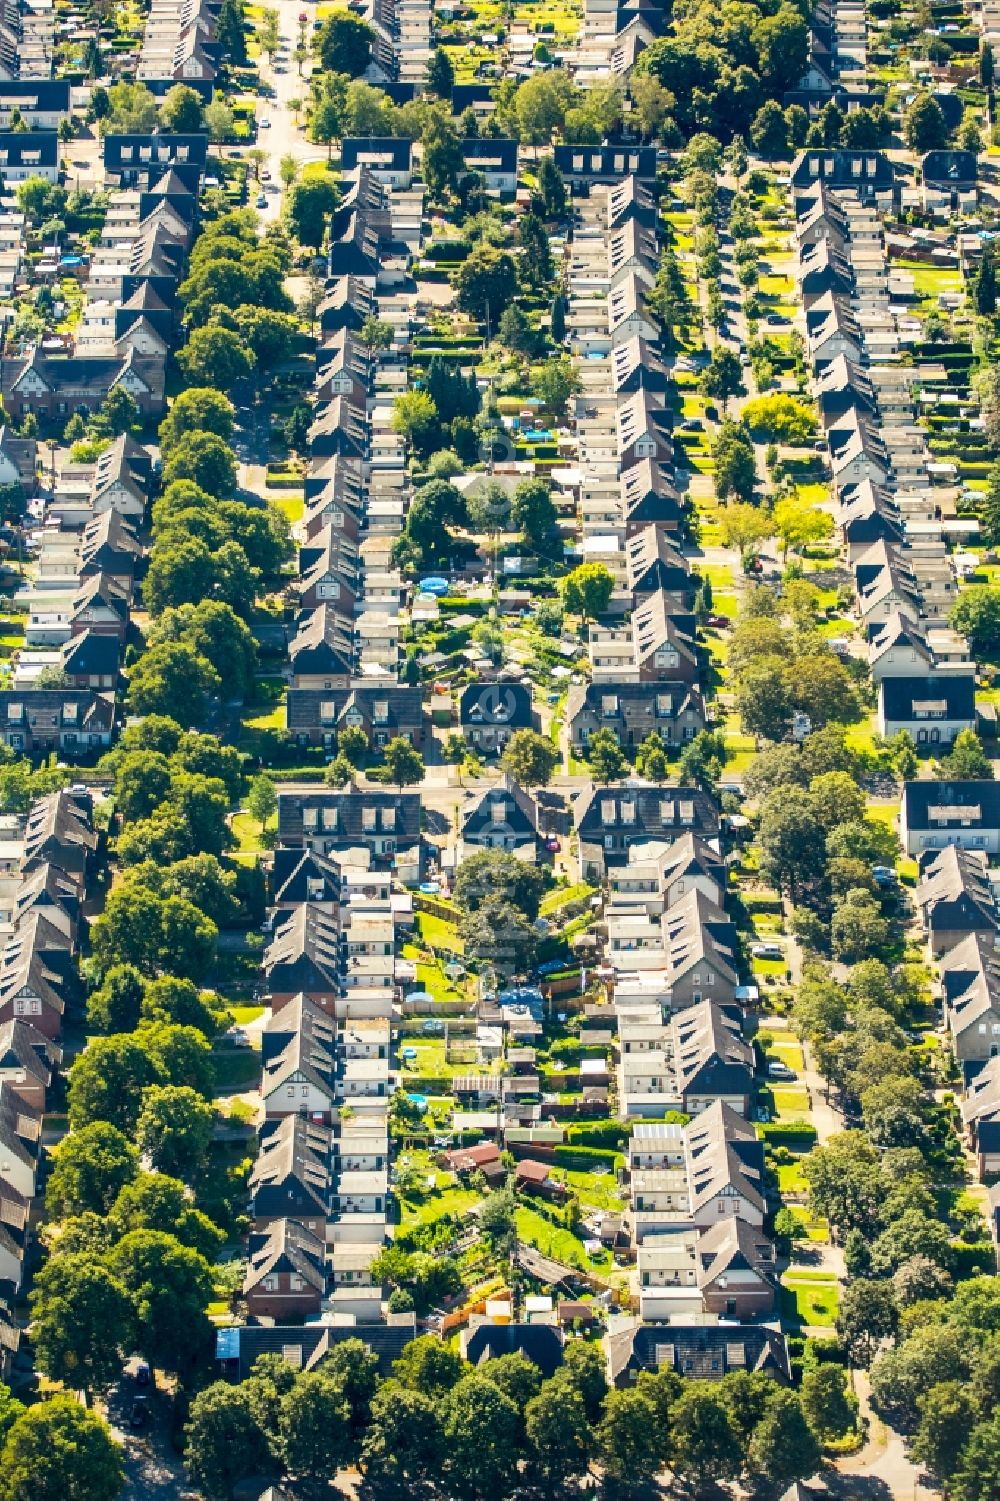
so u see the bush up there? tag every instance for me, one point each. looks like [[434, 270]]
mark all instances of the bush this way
[[609, 1135]]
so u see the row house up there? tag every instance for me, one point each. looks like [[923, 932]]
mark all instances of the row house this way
[[608, 820], [179, 45], [39, 983], [956, 898]]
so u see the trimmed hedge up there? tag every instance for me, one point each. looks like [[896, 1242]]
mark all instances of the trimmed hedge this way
[[585, 1159], [782, 1131]]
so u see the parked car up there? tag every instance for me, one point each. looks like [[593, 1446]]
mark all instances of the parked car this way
[[261, 200], [767, 951], [143, 1374], [139, 1415], [780, 1071]]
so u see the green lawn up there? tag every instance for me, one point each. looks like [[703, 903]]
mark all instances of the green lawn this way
[[790, 1102], [428, 1205], [243, 1014], [438, 934], [783, 1048], [246, 832], [809, 1299], [553, 1240], [236, 1071], [599, 1190], [790, 1178], [566, 895], [292, 505]]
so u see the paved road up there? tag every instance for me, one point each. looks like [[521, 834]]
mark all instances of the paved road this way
[[153, 1470], [282, 136]]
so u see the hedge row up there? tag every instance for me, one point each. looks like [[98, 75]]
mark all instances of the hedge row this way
[[782, 1131], [585, 1159]]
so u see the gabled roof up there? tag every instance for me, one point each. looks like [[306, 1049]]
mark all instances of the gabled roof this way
[[504, 705], [24, 1047], [58, 830], [729, 1245], [323, 642], [654, 563], [92, 655], [286, 1247], [696, 931], [723, 1156], [307, 942], [308, 1051], [658, 808], [710, 1052], [295, 872], [955, 888], [480, 809], [295, 1151], [629, 701], [542, 1344], [695, 1351]]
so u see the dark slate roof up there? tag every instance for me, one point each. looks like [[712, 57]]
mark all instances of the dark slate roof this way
[[606, 163], [292, 1171], [660, 809], [638, 702], [490, 149], [976, 803], [945, 695], [75, 708], [286, 1246], [39, 148], [394, 708], [92, 655], [397, 149], [58, 832], [506, 803], [696, 1351], [836, 169], [350, 804], [502, 705], [312, 1341], [542, 1344], [165, 149], [28, 94], [464, 94], [304, 953], [955, 890], [294, 873], [949, 168]]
